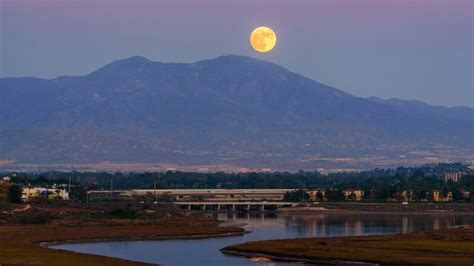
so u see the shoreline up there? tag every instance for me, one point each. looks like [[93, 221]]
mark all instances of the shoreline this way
[[50, 244], [34, 244], [366, 208], [295, 259], [433, 212]]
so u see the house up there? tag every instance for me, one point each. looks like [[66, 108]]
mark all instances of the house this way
[[405, 195], [466, 194], [356, 193], [313, 193], [449, 196], [438, 196]]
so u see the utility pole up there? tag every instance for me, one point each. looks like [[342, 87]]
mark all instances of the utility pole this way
[[111, 187], [304, 192], [154, 189], [69, 189]]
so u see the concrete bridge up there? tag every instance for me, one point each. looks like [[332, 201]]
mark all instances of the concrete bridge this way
[[197, 195], [206, 199], [234, 205]]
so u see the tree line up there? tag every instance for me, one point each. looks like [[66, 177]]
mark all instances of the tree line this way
[[379, 183]]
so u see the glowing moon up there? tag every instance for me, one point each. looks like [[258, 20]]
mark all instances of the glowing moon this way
[[263, 39]]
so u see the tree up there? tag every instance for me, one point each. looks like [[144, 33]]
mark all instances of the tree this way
[[334, 195], [457, 195], [77, 193], [352, 196], [421, 194], [4, 187], [253, 179], [14, 194], [296, 196], [319, 196]]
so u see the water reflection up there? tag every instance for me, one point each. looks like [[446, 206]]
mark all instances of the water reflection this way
[[268, 226], [350, 224]]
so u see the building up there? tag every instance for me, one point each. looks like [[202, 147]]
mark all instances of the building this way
[[203, 170], [466, 194], [51, 193], [452, 176], [243, 170], [313, 193], [438, 196], [405, 196], [358, 194], [449, 196], [209, 195]]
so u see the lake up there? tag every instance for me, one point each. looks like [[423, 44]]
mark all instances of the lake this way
[[268, 226]]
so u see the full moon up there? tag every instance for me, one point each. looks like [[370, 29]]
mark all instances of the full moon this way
[[263, 39]]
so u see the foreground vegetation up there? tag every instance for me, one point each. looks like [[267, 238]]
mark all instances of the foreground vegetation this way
[[23, 229], [444, 247]]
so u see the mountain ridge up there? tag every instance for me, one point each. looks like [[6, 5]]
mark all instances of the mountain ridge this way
[[227, 109]]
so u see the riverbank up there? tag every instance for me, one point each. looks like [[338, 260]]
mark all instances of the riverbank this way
[[443, 247], [27, 243]]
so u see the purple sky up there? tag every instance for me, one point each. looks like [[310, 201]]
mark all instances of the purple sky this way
[[388, 48]]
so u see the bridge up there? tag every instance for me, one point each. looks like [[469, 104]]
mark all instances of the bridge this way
[[201, 195], [206, 199]]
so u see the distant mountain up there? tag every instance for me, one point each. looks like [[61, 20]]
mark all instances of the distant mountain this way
[[228, 110], [460, 113]]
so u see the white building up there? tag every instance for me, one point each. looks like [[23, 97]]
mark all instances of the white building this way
[[29, 193], [453, 176]]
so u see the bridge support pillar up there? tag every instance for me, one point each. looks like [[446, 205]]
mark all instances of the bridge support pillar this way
[[262, 207], [233, 207], [189, 207], [218, 207], [203, 207], [247, 208]]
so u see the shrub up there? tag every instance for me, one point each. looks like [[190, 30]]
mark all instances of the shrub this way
[[14, 194], [123, 213], [33, 217]]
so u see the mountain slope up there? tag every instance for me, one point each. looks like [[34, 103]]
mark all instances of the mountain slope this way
[[230, 109], [418, 107]]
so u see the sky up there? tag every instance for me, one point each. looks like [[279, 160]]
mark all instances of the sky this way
[[409, 49]]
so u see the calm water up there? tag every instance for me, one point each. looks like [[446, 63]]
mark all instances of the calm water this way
[[267, 226]]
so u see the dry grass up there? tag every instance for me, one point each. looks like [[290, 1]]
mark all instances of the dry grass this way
[[447, 247]]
